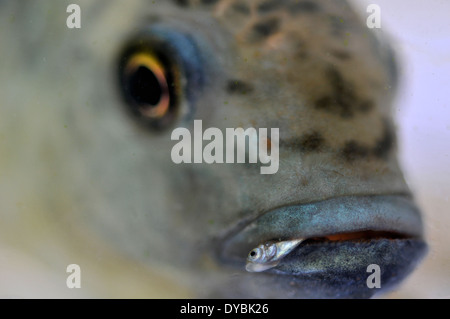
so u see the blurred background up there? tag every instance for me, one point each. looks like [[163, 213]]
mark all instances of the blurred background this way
[[421, 34]]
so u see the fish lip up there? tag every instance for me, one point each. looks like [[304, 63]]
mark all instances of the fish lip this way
[[386, 213], [331, 269]]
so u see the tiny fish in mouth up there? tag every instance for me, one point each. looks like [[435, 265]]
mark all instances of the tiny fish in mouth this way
[[268, 255]]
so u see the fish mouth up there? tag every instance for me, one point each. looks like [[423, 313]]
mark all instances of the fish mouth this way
[[342, 239]]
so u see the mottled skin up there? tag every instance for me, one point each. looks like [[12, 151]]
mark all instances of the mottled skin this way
[[310, 68]]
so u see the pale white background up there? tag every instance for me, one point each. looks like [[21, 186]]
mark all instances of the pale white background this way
[[421, 33]]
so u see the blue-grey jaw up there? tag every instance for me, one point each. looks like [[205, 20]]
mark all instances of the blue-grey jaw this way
[[320, 267]]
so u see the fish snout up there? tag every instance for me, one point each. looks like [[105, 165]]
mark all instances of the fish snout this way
[[345, 242]]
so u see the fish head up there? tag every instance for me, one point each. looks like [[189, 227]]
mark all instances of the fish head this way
[[313, 70]]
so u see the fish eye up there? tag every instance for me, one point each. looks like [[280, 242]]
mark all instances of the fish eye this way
[[160, 74], [150, 86], [254, 254], [146, 82]]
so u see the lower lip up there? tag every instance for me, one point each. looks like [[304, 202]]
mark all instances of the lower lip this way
[[342, 269], [345, 269], [353, 257]]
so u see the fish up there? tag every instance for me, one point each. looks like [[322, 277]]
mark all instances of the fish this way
[[268, 255], [85, 140]]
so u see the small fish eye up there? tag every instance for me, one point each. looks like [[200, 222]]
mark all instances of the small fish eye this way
[[253, 254], [150, 86]]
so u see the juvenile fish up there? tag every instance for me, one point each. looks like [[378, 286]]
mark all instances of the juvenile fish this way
[[268, 255]]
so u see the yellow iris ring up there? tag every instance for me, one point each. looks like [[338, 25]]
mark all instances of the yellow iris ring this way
[[150, 62]]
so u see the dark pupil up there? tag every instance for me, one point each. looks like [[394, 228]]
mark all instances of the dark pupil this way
[[145, 87], [253, 253]]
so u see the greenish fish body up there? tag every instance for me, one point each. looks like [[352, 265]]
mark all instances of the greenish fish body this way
[[85, 136]]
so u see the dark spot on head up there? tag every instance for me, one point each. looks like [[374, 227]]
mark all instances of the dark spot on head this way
[[340, 86], [343, 90], [332, 105], [265, 28], [311, 142], [293, 7], [301, 48], [324, 103], [302, 54], [353, 151], [366, 106], [182, 3], [241, 8], [385, 144], [270, 5], [238, 87], [207, 2], [303, 6], [342, 98], [341, 55]]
